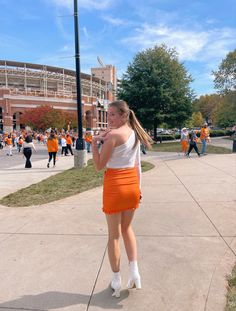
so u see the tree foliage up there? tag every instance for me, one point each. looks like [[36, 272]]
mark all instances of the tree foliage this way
[[207, 104], [225, 114], [44, 117], [225, 77], [197, 119], [219, 110], [156, 87]]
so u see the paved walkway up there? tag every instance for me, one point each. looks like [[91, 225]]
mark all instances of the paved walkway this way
[[53, 257], [222, 142]]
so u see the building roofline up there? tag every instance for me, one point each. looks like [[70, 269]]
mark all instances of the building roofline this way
[[69, 72]]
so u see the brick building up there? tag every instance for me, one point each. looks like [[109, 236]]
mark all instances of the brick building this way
[[25, 85]]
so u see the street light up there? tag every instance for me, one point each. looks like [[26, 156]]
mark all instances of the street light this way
[[80, 152]]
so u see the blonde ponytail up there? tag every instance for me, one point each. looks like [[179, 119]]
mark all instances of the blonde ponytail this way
[[140, 132], [141, 135]]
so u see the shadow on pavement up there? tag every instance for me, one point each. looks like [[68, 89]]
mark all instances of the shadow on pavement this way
[[56, 300]]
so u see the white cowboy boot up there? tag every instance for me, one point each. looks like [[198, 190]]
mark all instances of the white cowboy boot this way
[[134, 276], [116, 284]]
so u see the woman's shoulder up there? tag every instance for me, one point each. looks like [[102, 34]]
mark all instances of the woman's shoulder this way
[[120, 136], [120, 133]]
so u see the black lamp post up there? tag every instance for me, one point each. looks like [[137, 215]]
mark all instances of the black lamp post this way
[[80, 145]]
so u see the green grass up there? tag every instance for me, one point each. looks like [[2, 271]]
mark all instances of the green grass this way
[[62, 185], [176, 147], [231, 295]]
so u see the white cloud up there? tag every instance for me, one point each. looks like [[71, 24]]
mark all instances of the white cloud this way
[[115, 21], [66, 48], [85, 31], [191, 45], [86, 4]]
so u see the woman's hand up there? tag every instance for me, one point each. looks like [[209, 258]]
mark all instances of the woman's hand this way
[[101, 137]]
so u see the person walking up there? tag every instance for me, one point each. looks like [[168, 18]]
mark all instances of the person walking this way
[[143, 149], [52, 145], [193, 143], [9, 145], [88, 140], [184, 138], [120, 154], [1, 142], [69, 144], [63, 146], [20, 143], [205, 138], [28, 145]]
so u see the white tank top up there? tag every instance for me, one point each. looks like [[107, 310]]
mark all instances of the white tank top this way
[[125, 155]]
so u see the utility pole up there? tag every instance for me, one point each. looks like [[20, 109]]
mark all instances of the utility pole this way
[[80, 152]]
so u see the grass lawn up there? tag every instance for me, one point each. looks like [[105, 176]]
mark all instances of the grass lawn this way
[[231, 295], [59, 186], [176, 147]]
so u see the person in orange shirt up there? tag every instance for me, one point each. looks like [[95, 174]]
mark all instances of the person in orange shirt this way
[[8, 142], [205, 137], [13, 137], [20, 144], [88, 139], [69, 144], [52, 144]]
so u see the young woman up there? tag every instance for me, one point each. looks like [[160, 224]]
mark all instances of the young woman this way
[[52, 145], [120, 154], [193, 143], [28, 145]]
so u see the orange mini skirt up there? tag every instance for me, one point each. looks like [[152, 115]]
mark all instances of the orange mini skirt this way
[[121, 190]]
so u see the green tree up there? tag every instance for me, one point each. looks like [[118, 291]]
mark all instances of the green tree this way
[[225, 114], [156, 86], [197, 119], [225, 77], [207, 104]]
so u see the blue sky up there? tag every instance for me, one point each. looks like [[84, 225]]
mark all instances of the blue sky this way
[[42, 31]]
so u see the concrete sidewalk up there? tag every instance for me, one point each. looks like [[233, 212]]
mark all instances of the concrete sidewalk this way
[[17, 177], [53, 257]]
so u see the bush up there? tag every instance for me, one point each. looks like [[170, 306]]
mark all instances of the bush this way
[[165, 137], [177, 136], [216, 133]]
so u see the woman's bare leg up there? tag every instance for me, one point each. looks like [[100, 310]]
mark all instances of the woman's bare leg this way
[[114, 233], [131, 249], [128, 234]]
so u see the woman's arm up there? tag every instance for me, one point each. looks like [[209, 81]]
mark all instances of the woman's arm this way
[[33, 146], [101, 158]]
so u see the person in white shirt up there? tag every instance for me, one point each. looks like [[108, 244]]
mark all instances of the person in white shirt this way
[[28, 145], [120, 154], [63, 146]]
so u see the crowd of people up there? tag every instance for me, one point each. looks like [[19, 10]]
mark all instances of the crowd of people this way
[[189, 140], [24, 142]]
